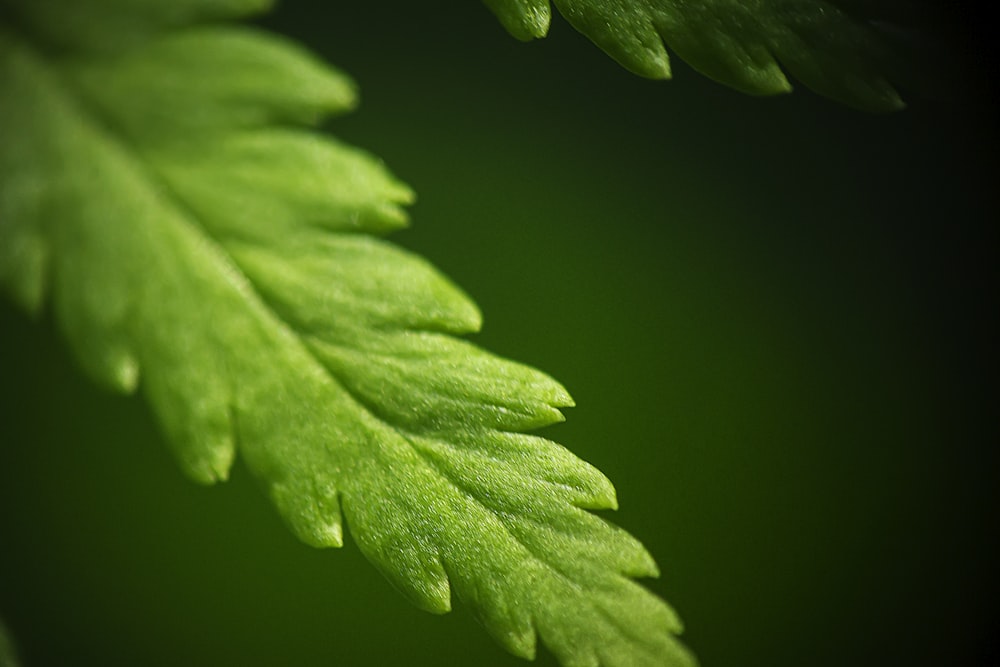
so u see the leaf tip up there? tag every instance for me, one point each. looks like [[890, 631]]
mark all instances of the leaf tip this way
[[778, 85], [594, 491], [886, 100], [522, 643], [556, 397], [526, 20], [657, 66], [206, 458], [436, 598], [562, 398], [608, 495], [647, 567], [210, 464], [312, 512], [467, 317], [329, 535], [648, 62], [219, 466]]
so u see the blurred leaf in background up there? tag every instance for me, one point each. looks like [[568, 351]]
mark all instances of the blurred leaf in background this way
[[751, 46]]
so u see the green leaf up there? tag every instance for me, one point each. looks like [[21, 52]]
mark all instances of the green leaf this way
[[199, 243], [746, 44]]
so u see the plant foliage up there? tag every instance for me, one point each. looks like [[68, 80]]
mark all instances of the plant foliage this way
[[162, 188], [745, 44]]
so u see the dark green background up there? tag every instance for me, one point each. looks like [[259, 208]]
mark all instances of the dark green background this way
[[771, 313]]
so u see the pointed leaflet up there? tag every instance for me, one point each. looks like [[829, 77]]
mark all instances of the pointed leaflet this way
[[744, 44], [197, 242]]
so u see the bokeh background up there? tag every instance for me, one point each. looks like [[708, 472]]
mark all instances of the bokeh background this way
[[772, 314]]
